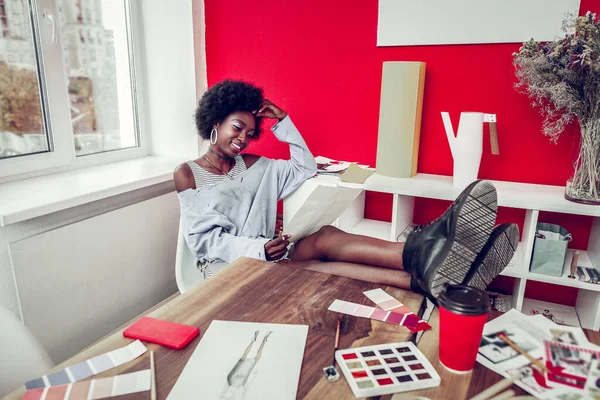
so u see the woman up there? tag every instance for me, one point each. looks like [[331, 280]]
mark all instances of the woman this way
[[228, 203]]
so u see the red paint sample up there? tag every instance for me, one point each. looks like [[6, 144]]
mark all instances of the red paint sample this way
[[416, 367], [350, 356], [385, 381], [421, 326], [395, 318], [412, 321], [359, 374]]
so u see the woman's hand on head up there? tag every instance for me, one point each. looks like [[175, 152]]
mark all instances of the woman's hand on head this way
[[270, 110], [276, 248]]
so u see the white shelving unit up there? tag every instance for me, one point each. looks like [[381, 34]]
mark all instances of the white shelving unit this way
[[370, 227], [531, 198]]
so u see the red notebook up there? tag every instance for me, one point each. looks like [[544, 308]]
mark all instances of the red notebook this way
[[165, 333]]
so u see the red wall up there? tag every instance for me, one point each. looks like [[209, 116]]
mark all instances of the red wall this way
[[318, 60]]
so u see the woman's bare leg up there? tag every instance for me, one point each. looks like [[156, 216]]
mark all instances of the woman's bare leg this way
[[382, 276], [333, 244]]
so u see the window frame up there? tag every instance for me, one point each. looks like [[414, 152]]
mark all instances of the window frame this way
[[55, 101]]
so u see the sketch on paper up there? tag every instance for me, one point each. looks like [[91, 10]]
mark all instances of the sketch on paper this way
[[238, 377], [244, 361]]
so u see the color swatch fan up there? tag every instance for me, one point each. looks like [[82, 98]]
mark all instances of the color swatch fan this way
[[389, 303], [386, 368], [392, 311]]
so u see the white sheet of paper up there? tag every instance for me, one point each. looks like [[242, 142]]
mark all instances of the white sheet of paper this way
[[591, 387], [324, 205], [571, 335], [275, 375]]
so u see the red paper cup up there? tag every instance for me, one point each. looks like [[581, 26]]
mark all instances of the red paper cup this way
[[463, 313]]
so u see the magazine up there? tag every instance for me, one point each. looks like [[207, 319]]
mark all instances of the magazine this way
[[532, 334], [328, 166]]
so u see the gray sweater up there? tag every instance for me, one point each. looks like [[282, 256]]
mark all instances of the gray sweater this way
[[236, 217]]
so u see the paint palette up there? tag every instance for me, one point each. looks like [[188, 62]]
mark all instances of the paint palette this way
[[386, 368]]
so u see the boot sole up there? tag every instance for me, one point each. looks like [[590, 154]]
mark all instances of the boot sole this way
[[498, 253], [472, 226]]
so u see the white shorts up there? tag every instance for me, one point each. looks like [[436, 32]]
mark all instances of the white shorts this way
[[209, 269]]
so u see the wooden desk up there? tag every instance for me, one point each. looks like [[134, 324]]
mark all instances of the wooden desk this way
[[257, 291]]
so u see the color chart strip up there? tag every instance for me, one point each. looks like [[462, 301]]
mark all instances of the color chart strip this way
[[89, 367], [358, 310], [389, 303], [94, 389]]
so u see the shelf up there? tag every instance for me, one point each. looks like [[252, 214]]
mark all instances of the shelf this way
[[510, 194], [512, 272], [376, 229], [564, 280], [529, 197]]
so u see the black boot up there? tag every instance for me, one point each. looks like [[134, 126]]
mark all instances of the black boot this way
[[494, 257], [442, 251]]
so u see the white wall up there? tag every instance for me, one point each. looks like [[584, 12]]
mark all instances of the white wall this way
[[78, 282], [75, 275], [200, 59], [169, 54], [199, 46]]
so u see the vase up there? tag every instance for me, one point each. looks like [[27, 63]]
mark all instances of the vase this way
[[584, 184], [466, 146]]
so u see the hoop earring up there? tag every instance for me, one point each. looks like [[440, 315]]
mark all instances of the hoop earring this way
[[215, 133]]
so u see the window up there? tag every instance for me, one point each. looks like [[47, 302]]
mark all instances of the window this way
[[56, 109]]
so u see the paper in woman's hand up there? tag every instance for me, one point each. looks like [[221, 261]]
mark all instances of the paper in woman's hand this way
[[322, 207]]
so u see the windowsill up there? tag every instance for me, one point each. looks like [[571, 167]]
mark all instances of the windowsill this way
[[34, 197]]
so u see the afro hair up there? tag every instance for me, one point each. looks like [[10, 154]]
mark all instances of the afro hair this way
[[224, 98]]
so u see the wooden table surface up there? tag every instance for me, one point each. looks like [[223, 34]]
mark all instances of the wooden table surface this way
[[285, 293]]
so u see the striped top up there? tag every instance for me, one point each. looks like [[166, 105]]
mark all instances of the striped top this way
[[203, 178]]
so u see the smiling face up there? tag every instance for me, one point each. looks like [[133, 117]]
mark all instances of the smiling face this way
[[234, 133]]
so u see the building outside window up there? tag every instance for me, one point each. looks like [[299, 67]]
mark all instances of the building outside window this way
[[51, 93]]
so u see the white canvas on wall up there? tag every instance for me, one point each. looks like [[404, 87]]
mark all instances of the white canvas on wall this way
[[244, 361], [429, 22]]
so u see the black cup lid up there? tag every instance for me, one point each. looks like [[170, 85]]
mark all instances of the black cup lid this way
[[464, 300]]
